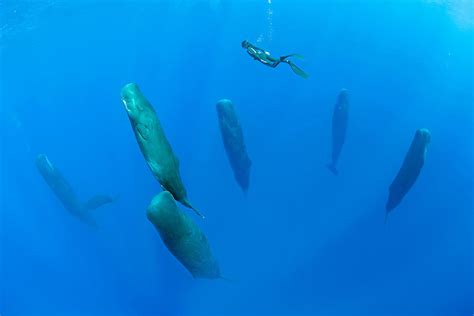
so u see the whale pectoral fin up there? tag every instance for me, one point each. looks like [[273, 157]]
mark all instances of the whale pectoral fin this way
[[143, 130], [154, 166], [156, 170]]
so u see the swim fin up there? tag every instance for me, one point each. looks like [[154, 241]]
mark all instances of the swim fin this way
[[282, 58], [297, 70]]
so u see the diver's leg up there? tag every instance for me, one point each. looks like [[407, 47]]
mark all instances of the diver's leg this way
[[272, 61], [274, 64]]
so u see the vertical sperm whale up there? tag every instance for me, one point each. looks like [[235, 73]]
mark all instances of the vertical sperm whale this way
[[410, 169], [153, 143], [339, 128], [234, 144], [183, 238]]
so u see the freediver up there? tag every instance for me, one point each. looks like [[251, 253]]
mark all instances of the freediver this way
[[265, 58]]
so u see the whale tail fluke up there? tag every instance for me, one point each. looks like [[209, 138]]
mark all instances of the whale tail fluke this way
[[86, 218], [186, 203], [97, 201], [332, 168], [227, 279]]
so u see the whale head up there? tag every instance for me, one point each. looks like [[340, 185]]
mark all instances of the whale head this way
[[43, 163], [423, 135], [132, 99], [343, 96], [140, 112]]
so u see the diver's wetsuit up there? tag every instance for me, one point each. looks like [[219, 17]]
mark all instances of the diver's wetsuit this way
[[265, 58]]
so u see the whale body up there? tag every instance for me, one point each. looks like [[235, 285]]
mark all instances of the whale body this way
[[410, 169], [339, 128], [153, 143], [64, 191], [183, 238], [234, 143]]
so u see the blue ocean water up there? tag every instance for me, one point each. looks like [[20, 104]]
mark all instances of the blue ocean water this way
[[301, 241]]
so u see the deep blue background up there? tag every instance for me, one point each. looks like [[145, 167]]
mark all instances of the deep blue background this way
[[302, 241]]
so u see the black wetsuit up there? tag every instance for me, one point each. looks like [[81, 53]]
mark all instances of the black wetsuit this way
[[263, 56]]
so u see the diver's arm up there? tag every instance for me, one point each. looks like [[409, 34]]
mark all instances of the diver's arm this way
[[265, 62], [252, 54]]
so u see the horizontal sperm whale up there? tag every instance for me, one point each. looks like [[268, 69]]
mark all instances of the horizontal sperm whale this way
[[64, 191]]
